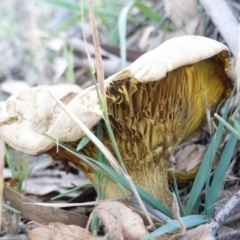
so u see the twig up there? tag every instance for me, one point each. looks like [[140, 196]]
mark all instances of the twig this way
[[225, 22], [229, 235], [218, 221], [232, 218], [99, 65]]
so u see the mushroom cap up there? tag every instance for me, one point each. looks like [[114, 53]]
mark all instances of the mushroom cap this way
[[36, 110], [25, 116], [177, 52]]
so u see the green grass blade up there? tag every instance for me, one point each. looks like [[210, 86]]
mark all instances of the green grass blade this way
[[148, 11], [189, 221], [67, 4], [69, 23], [101, 12], [208, 175], [9, 161], [122, 26], [220, 173], [73, 190], [201, 175], [30, 169], [177, 194], [196, 207], [8, 207], [115, 177], [68, 55], [100, 156], [144, 195], [84, 141], [227, 125]]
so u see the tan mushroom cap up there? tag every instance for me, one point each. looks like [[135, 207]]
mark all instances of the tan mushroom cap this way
[[154, 104], [34, 107], [25, 116], [175, 53]]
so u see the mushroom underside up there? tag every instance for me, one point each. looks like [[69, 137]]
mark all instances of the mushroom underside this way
[[150, 120]]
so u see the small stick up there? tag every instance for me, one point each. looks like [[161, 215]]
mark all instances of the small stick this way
[[229, 236], [232, 218], [218, 221], [99, 65]]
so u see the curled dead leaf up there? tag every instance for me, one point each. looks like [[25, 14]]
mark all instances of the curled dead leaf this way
[[121, 222], [183, 17], [14, 86], [186, 162], [58, 231], [116, 215]]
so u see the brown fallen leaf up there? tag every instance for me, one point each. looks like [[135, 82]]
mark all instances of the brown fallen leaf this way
[[115, 214], [121, 222], [189, 157], [186, 162], [58, 231], [183, 17], [41, 214], [115, 234], [176, 215]]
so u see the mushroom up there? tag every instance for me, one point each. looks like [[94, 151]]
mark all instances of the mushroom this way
[[154, 104]]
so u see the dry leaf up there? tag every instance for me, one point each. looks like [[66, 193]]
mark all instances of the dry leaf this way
[[115, 215], [115, 234], [145, 37], [41, 214], [14, 86], [60, 66], [111, 62], [176, 215], [189, 157], [58, 231], [121, 222], [53, 180], [185, 163], [183, 13], [70, 232], [224, 229]]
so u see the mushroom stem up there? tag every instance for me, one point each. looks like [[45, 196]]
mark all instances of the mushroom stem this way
[[154, 178]]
